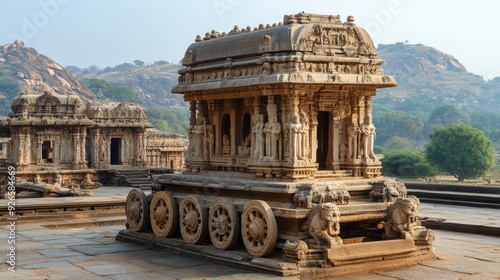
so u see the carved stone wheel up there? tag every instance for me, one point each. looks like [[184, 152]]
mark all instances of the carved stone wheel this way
[[223, 224], [164, 215], [258, 228], [193, 220], [137, 210]]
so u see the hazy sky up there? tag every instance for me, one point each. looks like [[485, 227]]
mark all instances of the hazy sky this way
[[110, 32]]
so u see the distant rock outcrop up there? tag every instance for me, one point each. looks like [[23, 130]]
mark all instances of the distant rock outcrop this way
[[34, 71], [430, 76], [153, 82]]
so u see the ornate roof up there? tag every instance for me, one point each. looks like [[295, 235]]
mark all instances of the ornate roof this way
[[118, 114], [33, 102], [307, 48]]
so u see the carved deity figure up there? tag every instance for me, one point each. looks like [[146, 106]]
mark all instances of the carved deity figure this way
[[323, 225], [272, 130], [226, 145], [368, 138], [352, 137], [197, 137], [305, 135], [209, 141], [402, 218], [258, 129], [246, 145], [296, 137]]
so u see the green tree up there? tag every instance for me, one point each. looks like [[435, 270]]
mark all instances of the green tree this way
[[406, 163], [460, 150], [139, 62], [104, 90]]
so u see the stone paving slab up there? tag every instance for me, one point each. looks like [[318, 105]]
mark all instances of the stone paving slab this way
[[106, 248], [110, 269]]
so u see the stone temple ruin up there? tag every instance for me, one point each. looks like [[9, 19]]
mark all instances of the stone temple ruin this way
[[56, 139], [280, 154]]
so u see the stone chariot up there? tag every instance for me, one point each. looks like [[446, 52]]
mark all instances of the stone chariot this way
[[280, 155]]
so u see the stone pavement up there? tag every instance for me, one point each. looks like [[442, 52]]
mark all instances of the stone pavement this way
[[93, 253]]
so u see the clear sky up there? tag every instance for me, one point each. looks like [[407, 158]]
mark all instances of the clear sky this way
[[110, 32]]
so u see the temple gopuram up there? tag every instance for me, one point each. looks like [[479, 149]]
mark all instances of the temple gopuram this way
[[280, 156]]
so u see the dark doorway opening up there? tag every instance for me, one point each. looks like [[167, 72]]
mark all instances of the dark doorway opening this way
[[323, 143], [115, 151], [47, 152]]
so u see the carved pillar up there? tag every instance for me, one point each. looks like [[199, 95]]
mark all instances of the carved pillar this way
[[314, 132], [95, 133], [210, 140], [75, 149], [141, 144], [192, 123], [337, 125], [39, 143], [353, 130], [329, 155], [232, 116], [21, 149], [83, 139], [56, 150], [27, 147]]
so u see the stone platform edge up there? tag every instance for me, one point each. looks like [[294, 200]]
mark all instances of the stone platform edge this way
[[274, 265]]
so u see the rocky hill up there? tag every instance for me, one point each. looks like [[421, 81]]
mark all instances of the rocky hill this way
[[428, 76], [24, 68], [153, 82]]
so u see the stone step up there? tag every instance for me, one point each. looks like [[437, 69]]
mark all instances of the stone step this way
[[488, 198], [459, 202]]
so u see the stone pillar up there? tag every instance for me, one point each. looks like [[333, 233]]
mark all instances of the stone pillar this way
[[95, 133], [83, 141], [295, 142], [39, 144], [232, 116], [314, 133], [217, 129], [337, 141]]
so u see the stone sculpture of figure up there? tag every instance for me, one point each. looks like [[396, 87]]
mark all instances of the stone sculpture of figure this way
[[266, 68], [197, 137], [402, 218], [246, 145], [343, 151], [272, 130], [226, 145], [323, 225], [296, 137], [368, 138], [258, 129], [38, 179], [352, 137], [209, 142], [305, 135]]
